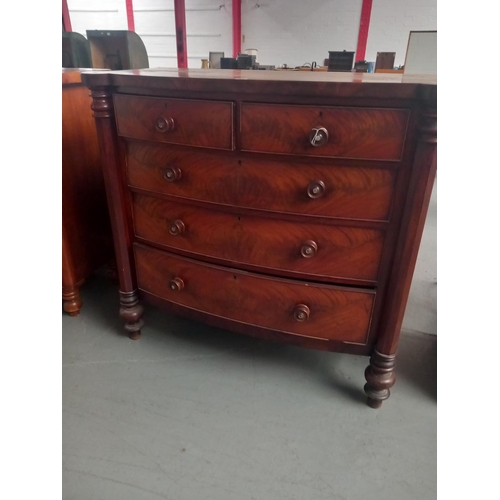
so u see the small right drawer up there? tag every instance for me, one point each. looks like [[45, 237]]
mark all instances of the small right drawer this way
[[362, 133]]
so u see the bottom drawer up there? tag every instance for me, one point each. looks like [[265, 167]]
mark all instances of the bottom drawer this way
[[295, 307]]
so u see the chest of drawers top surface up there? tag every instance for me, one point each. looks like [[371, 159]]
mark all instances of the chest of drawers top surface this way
[[285, 205], [326, 84]]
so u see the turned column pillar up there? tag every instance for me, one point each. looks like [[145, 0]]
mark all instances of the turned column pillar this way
[[380, 373], [118, 202]]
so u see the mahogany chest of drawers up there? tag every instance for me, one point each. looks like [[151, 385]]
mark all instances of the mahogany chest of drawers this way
[[283, 205]]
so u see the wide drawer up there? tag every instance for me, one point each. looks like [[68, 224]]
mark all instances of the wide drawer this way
[[300, 248], [306, 309], [349, 192], [207, 124], [367, 133]]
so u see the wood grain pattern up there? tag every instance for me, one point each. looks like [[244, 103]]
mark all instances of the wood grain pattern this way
[[293, 84], [418, 195], [208, 221], [87, 242], [268, 243], [254, 330], [195, 122], [261, 183], [376, 134], [336, 313], [121, 221]]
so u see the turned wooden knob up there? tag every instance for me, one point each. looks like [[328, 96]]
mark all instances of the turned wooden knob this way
[[176, 284], [172, 174], [316, 189], [318, 136], [164, 124], [301, 312], [177, 227], [308, 249]]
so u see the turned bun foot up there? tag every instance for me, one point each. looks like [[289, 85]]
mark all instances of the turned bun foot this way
[[131, 312], [374, 403], [134, 335], [379, 378], [72, 303]]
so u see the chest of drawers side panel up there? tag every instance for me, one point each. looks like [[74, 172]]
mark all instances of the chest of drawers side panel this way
[[86, 238], [418, 193]]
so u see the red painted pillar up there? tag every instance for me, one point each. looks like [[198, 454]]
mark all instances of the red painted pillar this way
[[65, 16], [236, 27], [180, 33], [130, 15], [364, 25]]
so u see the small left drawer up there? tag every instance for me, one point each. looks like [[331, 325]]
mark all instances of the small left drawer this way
[[205, 124]]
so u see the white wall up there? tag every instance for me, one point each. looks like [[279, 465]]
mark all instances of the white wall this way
[[97, 14], [298, 32], [295, 32], [391, 22], [283, 31], [208, 26]]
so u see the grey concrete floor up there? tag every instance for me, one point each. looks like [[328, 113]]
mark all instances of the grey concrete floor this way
[[191, 412]]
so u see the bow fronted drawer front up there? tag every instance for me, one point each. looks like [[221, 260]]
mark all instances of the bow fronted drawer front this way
[[293, 187], [306, 309], [305, 250]]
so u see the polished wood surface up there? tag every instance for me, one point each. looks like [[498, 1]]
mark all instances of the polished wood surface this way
[[262, 83], [418, 196], [376, 134], [385, 60], [176, 121], [272, 244], [131, 310], [335, 313], [86, 233], [289, 228], [261, 183]]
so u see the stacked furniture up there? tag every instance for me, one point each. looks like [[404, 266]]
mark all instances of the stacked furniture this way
[[75, 50], [385, 60], [117, 49], [340, 60]]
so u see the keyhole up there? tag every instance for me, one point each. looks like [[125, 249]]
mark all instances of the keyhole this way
[[321, 114]]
